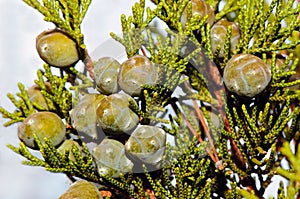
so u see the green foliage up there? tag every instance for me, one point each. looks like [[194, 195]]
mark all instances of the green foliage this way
[[207, 161], [54, 161], [293, 174], [58, 98], [65, 15]]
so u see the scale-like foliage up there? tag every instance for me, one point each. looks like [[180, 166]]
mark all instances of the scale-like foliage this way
[[209, 157]]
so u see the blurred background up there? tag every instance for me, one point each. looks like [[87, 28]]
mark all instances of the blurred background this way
[[19, 61]]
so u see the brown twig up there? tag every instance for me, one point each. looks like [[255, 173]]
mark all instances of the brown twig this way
[[143, 51], [197, 136], [89, 65], [105, 193], [206, 131]]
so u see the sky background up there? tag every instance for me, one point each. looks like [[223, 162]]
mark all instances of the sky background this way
[[19, 62]]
